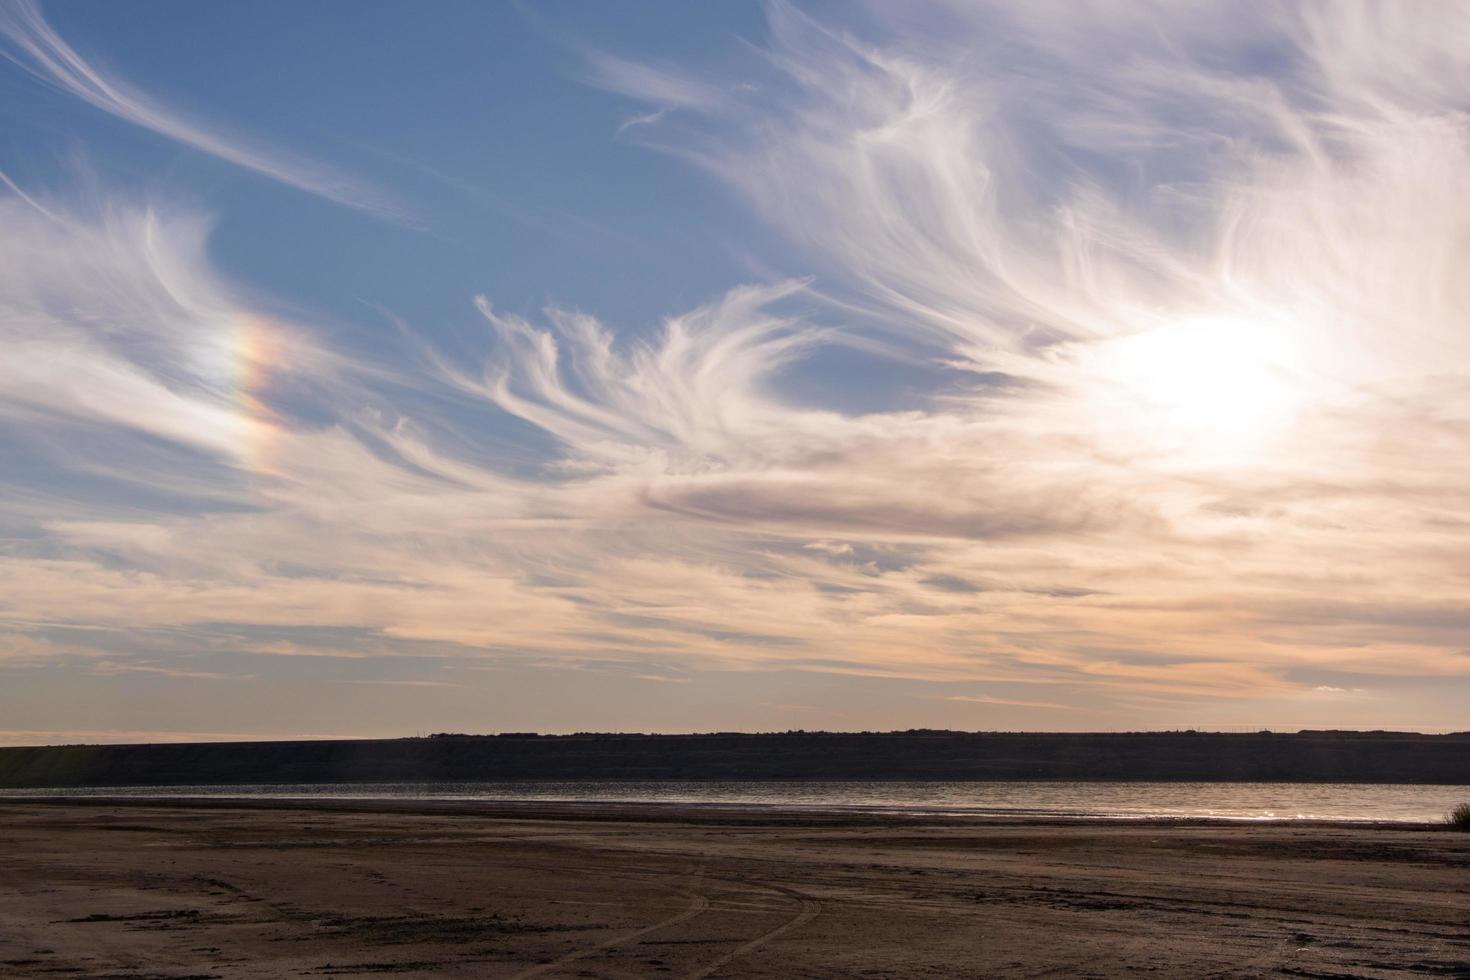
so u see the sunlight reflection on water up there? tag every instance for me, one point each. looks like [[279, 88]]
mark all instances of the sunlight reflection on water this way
[[1226, 801]]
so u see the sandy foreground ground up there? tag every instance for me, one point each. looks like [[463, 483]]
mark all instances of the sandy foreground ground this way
[[129, 890]]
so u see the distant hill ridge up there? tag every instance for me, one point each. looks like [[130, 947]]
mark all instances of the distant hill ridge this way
[[1308, 756]]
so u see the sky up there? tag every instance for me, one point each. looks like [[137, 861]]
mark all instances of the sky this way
[[376, 369]]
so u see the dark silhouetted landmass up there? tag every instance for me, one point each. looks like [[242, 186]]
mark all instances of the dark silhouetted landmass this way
[[1325, 756]]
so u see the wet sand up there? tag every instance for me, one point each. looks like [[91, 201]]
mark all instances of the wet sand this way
[[228, 890]]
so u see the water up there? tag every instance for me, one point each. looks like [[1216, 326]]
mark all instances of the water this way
[[1221, 801]]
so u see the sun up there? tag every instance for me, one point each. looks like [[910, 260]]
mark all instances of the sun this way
[[1206, 384]]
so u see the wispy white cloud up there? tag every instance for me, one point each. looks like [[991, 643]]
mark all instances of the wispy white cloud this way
[[404, 683], [1008, 702], [693, 394], [28, 40], [642, 119], [114, 318], [671, 87], [109, 667]]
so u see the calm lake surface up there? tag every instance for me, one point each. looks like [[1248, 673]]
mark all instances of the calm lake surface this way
[[1223, 801]]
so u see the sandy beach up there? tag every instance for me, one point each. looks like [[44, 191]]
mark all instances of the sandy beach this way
[[107, 889]]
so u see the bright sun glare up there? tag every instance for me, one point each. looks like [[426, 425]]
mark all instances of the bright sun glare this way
[[1213, 384]]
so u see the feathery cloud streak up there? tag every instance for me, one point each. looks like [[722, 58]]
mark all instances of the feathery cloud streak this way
[[30, 42]]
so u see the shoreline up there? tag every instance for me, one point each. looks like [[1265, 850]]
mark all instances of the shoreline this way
[[701, 812]]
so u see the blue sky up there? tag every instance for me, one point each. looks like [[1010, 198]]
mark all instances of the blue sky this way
[[477, 124], [377, 368]]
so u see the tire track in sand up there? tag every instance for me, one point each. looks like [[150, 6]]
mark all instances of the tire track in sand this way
[[698, 903], [810, 909]]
